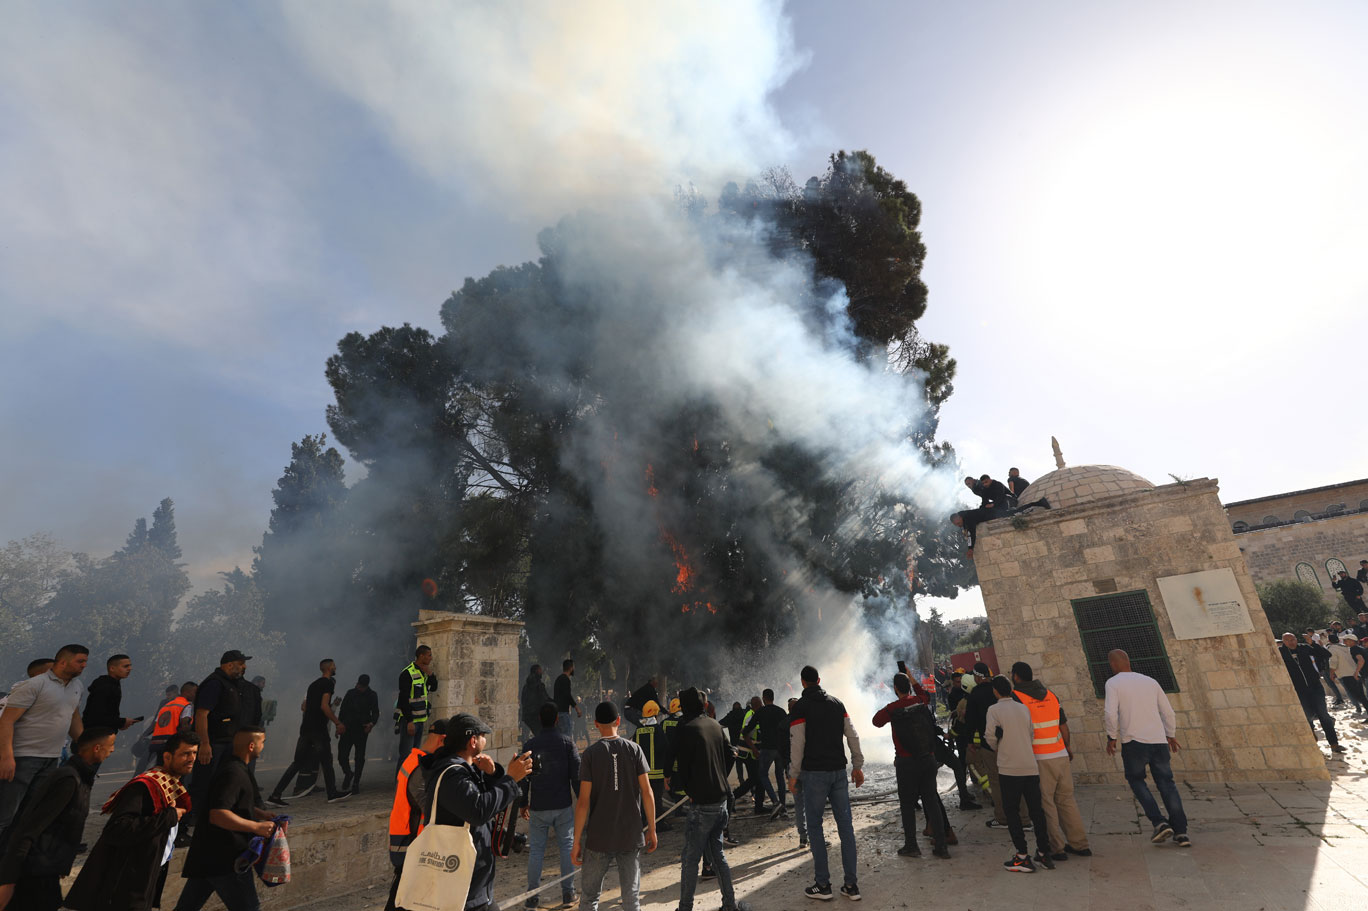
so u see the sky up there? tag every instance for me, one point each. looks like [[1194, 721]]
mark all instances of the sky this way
[[1141, 219]]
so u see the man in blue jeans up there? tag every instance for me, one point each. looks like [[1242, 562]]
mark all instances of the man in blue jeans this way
[[698, 768], [1140, 718], [817, 724], [550, 794]]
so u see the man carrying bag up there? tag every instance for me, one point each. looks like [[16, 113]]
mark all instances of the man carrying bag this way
[[450, 865]]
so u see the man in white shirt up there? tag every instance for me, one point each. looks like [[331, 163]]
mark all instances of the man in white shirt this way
[[1139, 716], [39, 716]]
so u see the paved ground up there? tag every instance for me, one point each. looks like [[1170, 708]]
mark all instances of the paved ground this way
[[1275, 847]]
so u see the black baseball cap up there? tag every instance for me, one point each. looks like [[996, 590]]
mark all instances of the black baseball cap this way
[[467, 725], [438, 727], [606, 713], [234, 655], [981, 670]]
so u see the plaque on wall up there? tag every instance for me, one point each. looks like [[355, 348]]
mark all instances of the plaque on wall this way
[[1205, 604]]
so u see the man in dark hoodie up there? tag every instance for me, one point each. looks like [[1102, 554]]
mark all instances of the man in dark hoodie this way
[[534, 696], [472, 793], [42, 841], [698, 768], [127, 867]]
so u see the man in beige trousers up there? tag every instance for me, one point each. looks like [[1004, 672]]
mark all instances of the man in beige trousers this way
[[1050, 740]]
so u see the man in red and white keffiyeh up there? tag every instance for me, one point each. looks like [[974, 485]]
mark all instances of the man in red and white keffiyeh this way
[[127, 866]]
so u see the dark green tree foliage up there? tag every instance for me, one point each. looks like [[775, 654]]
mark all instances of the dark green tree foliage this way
[[529, 459], [1292, 605]]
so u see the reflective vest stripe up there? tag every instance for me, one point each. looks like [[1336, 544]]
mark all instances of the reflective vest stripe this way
[[401, 828], [168, 717], [1047, 740], [418, 693], [645, 737]]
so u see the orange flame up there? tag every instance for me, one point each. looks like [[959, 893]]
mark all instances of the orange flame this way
[[651, 487]]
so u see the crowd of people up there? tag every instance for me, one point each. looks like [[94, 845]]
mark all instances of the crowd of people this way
[[602, 806]]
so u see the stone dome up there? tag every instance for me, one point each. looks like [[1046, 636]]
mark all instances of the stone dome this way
[[1075, 484]]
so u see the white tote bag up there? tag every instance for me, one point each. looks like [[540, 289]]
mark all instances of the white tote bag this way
[[438, 865]]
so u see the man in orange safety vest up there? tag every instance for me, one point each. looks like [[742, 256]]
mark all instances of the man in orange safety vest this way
[[1050, 741], [406, 816]]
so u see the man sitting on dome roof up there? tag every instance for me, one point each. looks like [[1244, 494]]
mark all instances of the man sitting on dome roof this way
[[970, 519]]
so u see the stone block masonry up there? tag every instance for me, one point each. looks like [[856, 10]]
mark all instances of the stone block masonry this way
[[476, 662], [1238, 716]]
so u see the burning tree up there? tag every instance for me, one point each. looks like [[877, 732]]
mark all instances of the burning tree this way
[[669, 431]]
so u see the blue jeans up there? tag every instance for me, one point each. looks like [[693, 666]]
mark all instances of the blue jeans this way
[[800, 812], [237, 891], [596, 868], [703, 838], [1135, 756], [540, 823], [408, 741], [818, 788], [28, 772], [768, 759]]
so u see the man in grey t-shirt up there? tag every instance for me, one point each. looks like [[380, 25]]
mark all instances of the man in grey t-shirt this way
[[614, 794], [39, 716]]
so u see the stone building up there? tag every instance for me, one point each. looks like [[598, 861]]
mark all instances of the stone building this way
[[1305, 534], [1121, 563], [476, 662]]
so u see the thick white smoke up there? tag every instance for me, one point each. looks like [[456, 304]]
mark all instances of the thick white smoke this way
[[603, 108]]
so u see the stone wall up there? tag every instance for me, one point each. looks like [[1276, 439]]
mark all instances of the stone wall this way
[[1273, 553], [1238, 716], [1285, 506], [476, 662]]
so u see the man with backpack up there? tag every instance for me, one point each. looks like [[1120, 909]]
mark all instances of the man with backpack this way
[[914, 748]]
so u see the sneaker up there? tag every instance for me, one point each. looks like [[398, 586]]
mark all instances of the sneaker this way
[[531, 902], [802, 841], [339, 796], [1182, 841], [1028, 826], [950, 837], [1336, 748], [1059, 855], [821, 893], [909, 851], [1162, 833], [739, 906], [1081, 852], [994, 824], [708, 873], [304, 792], [1019, 863], [276, 800], [942, 853], [726, 839], [967, 804], [760, 810], [568, 898], [1044, 860], [851, 891]]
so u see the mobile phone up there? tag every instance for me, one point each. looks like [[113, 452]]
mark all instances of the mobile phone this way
[[902, 667], [140, 718]]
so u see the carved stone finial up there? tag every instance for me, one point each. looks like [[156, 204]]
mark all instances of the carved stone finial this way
[[1059, 456]]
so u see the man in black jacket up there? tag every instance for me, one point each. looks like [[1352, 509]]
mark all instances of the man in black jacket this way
[[1362, 577], [41, 843], [534, 696], [565, 700], [993, 493], [732, 722], [472, 793], [699, 769], [1016, 483], [1351, 589], [980, 753], [105, 694], [360, 710], [222, 706], [1306, 679], [126, 870]]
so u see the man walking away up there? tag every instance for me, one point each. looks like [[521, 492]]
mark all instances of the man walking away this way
[[1050, 742], [1349, 654], [699, 771], [314, 749], [411, 712], [550, 795], [42, 841], [1300, 661], [106, 694], [359, 713], [650, 736], [472, 793], [614, 794], [819, 723], [1350, 589], [126, 870], [981, 754], [732, 723], [176, 715], [914, 762], [233, 815], [534, 696], [565, 698], [41, 713], [1139, 717], [406, 815], [771, 722], [1009, 733]]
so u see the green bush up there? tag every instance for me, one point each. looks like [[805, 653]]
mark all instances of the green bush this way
[[1293, 605]]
